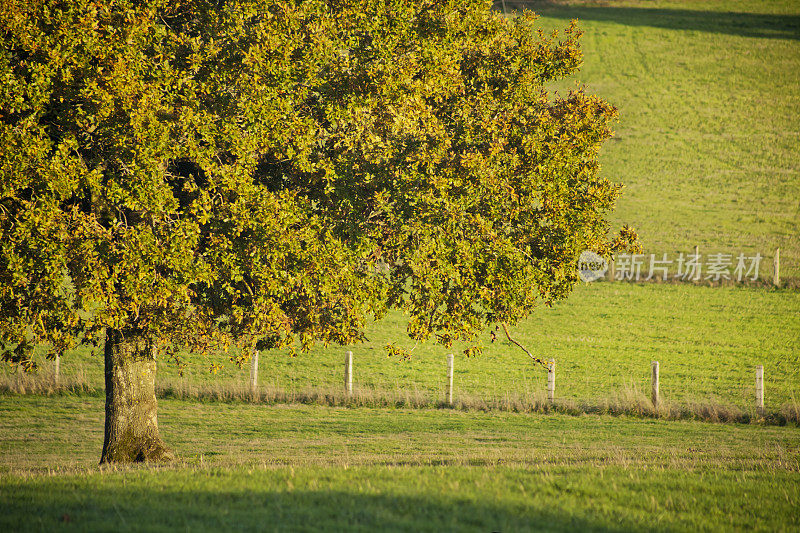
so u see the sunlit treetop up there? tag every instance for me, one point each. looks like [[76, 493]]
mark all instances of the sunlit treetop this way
[[206, 173]]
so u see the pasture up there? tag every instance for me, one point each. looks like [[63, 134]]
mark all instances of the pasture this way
[[708, 143], [707, 340], [707, 147], [308, 468]]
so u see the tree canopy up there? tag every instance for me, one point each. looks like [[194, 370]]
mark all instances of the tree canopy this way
[[250, 171]]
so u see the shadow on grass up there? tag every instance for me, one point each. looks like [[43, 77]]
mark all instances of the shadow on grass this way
[[742, 24], [49, 504]]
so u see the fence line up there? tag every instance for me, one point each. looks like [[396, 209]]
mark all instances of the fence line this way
[[655, 397]]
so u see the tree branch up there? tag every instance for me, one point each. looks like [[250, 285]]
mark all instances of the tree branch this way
[[508, 336]]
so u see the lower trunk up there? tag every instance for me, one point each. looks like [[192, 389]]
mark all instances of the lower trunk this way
[[131, 433]]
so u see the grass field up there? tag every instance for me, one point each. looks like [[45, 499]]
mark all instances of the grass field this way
[[709, 149], [708, 341], [708, 144], [308, 468]]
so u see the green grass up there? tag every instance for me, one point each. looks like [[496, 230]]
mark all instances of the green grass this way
[[708, 145], [310, 467], [708, 149], [708, 341]]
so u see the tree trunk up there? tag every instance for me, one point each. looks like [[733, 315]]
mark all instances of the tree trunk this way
[[131, 433]]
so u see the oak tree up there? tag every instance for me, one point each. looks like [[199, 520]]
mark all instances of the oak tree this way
[[204, 173]]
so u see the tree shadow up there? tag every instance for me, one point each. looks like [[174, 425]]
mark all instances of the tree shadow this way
[[732, 23], [152, 508]]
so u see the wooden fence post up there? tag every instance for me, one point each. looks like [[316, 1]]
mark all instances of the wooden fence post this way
[[57, 370], [254, 373], [449, 379], [760, 389], [777, 275], [654, 392], [611, 272], [348, 373], [551, 381]]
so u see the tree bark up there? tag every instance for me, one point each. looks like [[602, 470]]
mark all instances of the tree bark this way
[[131, 432]]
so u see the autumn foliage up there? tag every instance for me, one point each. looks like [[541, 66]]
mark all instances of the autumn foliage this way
[[277, 173]]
